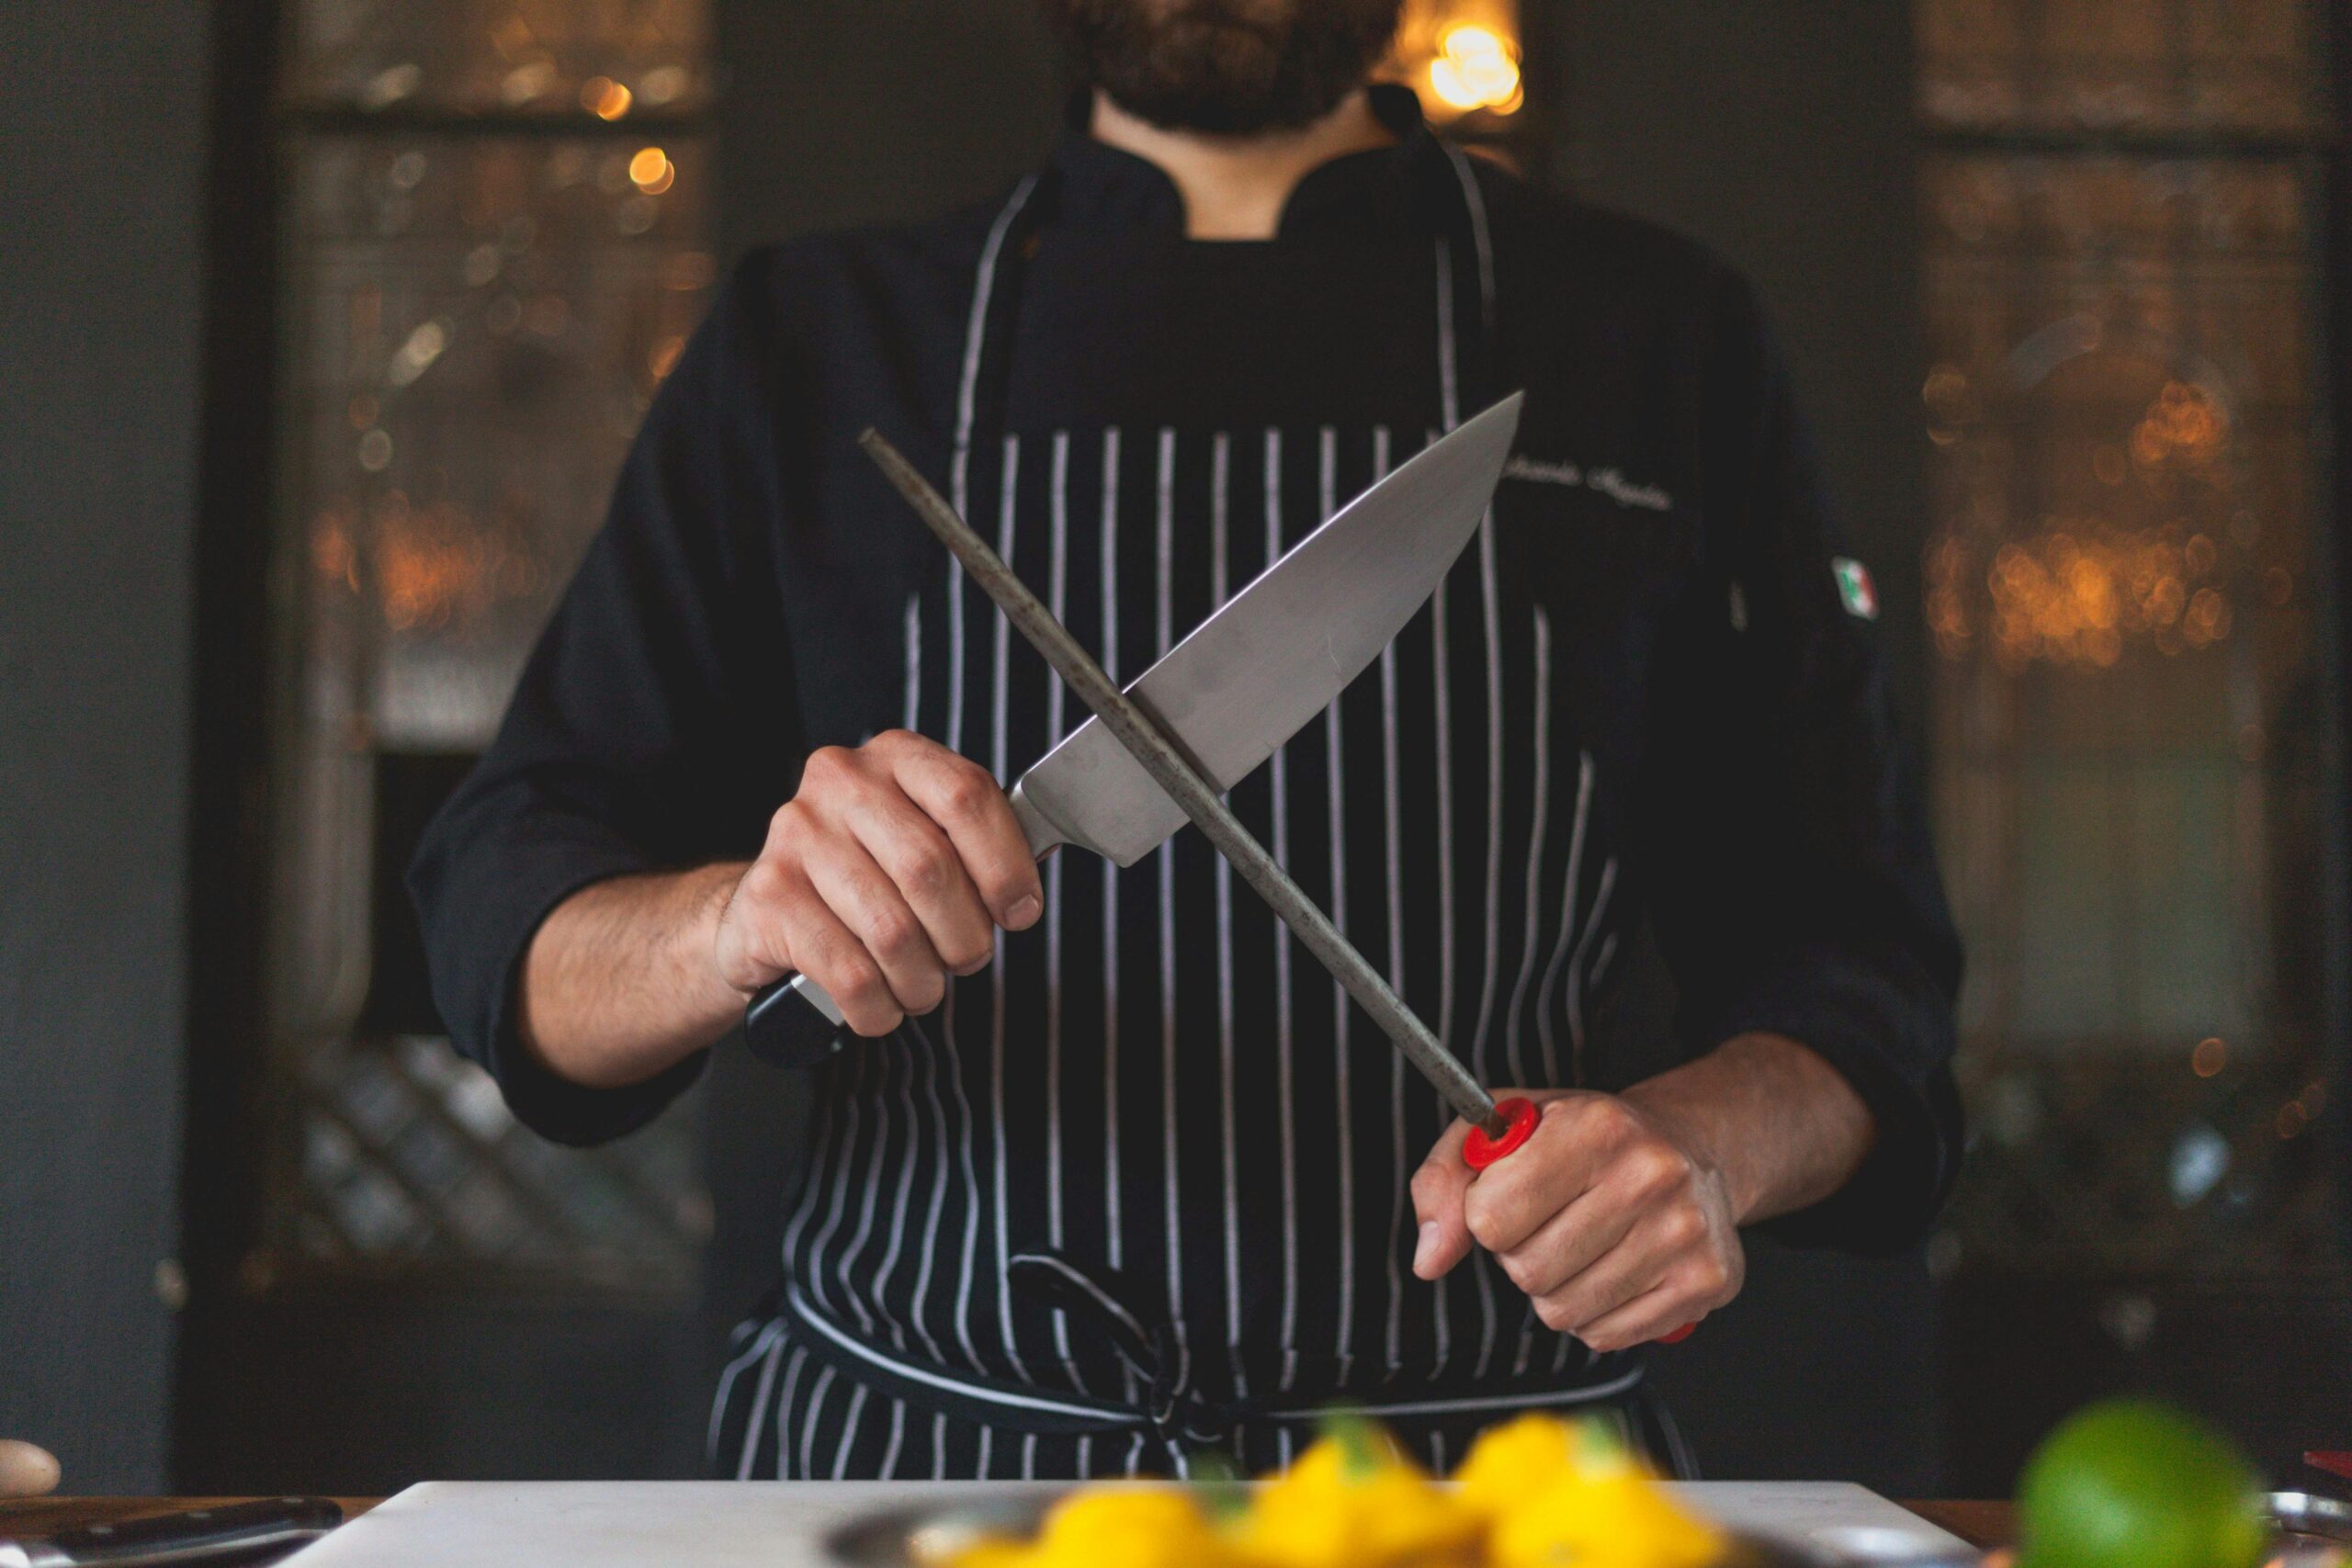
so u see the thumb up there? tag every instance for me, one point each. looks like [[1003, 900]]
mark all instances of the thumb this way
[[1437, 1190]]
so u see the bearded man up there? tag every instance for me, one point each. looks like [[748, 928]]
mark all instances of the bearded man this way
[[1135, 1179]]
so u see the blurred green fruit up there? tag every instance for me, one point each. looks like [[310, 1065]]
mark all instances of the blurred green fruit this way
[[2128, 1483]]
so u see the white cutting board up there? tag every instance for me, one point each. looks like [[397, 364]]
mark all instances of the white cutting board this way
[[783, 1523]]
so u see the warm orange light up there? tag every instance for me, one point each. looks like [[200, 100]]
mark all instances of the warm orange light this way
[[2210, 1057], [604, 98], [2076, 594], [651, 172], [1476, 68], [2185, 422], [665, 356]]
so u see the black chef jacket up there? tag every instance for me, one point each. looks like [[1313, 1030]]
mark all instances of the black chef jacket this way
[[1150, 1158]]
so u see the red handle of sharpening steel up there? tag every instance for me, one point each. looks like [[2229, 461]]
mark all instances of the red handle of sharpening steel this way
[[1479, 1151]]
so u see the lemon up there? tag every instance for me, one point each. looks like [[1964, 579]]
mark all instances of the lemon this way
[[1126, 1527], [1352, 1501], [1512, 1461], [2128, 1483]]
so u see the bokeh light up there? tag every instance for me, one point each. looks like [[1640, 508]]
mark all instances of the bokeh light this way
[[1475, 68]]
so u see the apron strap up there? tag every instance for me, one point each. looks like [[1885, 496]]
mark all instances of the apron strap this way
[[1174, 1412]]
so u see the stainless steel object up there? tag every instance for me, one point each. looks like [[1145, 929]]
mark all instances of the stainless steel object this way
[[931, 1538], [2312, 1531], [228, 1532], [1271, 658]]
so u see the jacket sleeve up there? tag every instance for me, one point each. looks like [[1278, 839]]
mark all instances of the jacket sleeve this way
[[1796, 886], [654, 722]]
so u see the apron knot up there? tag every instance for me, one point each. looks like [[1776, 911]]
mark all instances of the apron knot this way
[[1184, 1419]]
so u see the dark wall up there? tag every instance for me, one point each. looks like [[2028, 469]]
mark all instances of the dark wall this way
[[1781, 135], [835, 116], [102, 109]]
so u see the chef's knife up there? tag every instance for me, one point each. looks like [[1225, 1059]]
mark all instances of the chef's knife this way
[[1271, 659]]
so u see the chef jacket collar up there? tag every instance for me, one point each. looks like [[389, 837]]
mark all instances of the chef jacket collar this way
[[1403, 188]]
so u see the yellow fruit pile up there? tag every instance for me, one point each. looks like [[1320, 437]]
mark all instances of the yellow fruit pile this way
[[1537, 1493]]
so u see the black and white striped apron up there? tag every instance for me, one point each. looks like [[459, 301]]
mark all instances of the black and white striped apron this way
[[1141, 1184]]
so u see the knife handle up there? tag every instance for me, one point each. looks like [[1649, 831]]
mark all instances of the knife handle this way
[[794, 1023], [234, 1532], [1479, 1151]]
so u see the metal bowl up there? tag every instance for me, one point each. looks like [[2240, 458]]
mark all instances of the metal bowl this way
[[930, 1537], [2312, 1530]]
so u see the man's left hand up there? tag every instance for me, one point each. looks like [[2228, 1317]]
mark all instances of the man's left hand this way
[[1609, 1218]]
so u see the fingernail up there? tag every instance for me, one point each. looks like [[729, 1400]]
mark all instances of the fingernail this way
[[1425, 1249], [1023, 910]]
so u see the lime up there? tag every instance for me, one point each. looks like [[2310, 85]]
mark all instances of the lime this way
[[2128, 1483]]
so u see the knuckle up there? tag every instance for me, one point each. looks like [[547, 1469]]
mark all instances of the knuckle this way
[[857, 982], [1657, 1167], [1554, 1313], [826, 766], [1609, 1114], [1519, 1268], [1486, 1227], [1683, 1226], [788, 828], [827, 959], [762, 884], [892, 932], [922, 868], [966, 792]]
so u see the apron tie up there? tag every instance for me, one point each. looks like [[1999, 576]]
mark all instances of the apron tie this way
[[1167, 1405], [1184, 1419]]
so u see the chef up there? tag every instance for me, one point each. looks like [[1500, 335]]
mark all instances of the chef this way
[[1114, 1173]]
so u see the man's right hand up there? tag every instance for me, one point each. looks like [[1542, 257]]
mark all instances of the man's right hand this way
[[886, 874]]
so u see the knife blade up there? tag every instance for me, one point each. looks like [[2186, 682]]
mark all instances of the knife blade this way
[[1246, 680]]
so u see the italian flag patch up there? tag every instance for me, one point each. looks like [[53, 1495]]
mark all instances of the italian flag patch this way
[[1855, 589]]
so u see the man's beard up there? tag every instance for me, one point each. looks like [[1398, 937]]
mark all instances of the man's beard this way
[[1227, 67]]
